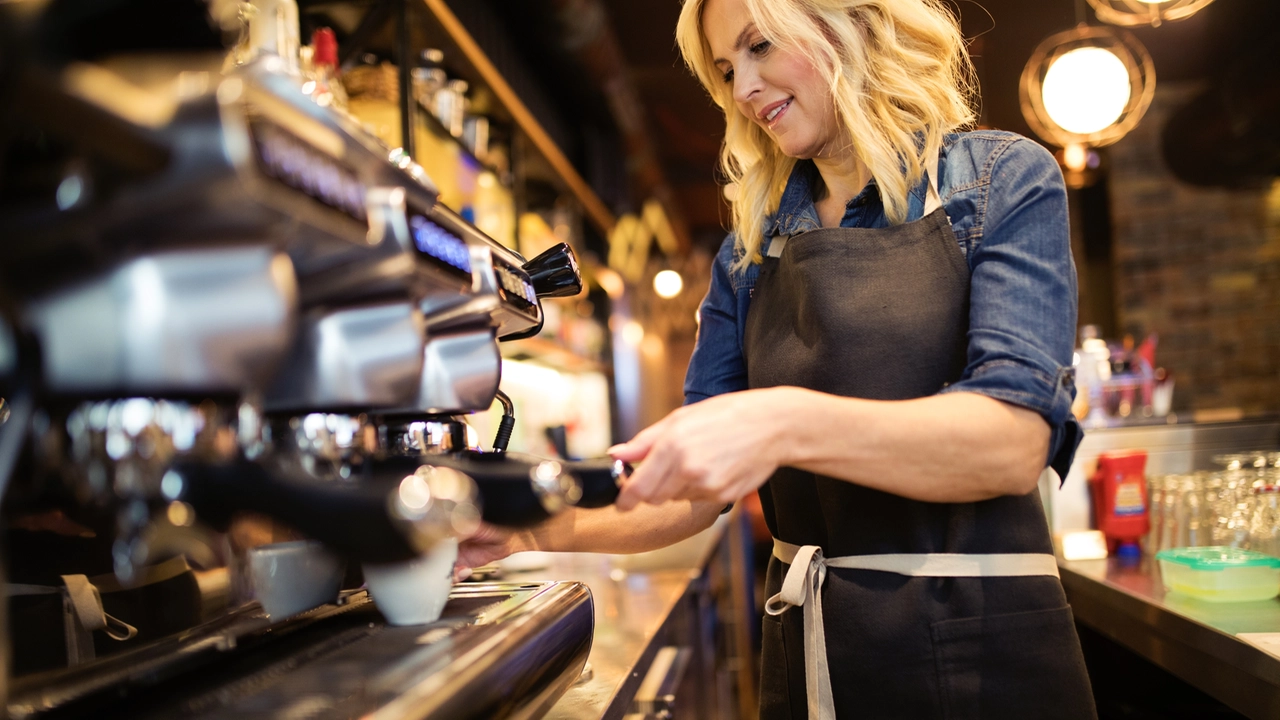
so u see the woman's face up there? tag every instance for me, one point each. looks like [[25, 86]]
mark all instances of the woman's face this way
[[777, 88]]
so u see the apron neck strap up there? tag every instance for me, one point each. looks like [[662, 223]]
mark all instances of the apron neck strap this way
[[932, 200]]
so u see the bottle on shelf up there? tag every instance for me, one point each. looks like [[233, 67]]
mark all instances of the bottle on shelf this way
[[327, 90], [1119, 491]]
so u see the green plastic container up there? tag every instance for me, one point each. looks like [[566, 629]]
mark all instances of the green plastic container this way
[[1220, 574]]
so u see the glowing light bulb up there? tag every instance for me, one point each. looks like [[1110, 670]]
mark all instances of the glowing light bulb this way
[[1086, 90], [668, 283]]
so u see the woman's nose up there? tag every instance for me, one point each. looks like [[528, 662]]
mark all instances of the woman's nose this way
[[746, 83]]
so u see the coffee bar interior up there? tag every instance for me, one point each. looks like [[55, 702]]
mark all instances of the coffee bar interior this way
[[297, 295]]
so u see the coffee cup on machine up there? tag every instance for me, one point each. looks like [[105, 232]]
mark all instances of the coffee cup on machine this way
[[414, 592], [293, 577]]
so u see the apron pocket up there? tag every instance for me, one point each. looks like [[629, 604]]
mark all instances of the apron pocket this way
[[775, 694], [1017, 665]]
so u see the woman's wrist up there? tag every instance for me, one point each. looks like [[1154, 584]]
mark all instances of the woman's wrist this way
[[524, 541], [788, 408]]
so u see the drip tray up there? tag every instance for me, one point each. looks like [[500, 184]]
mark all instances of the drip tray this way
[[498, 650]]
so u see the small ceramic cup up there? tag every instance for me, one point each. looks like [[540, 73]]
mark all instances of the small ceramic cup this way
[[414, 592], [293, 577]]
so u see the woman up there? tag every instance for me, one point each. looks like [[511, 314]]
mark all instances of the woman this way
[[884, 354]]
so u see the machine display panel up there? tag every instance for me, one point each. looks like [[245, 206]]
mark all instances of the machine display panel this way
[[440, 246], [285, 157]]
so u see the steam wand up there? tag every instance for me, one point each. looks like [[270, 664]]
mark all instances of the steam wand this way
[[506, 424]]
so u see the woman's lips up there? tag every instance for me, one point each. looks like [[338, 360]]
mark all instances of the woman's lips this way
[[772, 117]]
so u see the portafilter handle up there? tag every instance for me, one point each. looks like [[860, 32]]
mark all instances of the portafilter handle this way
[[555, 272], [515, 490], [389, 517], [601, 480]]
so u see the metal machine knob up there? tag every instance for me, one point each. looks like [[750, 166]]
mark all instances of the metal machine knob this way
[[555, 272]]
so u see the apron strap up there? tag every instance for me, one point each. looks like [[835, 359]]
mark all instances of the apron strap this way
[[932, 201], [802, 586]]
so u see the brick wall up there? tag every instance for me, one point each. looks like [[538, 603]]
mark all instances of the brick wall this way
[[1200, 267]]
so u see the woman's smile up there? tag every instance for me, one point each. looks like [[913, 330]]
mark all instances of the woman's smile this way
[[776, 86], [772, 114]]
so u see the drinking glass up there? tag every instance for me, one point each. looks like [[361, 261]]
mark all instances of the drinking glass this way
[[1156, 485], [1189, 517], [1169, 513], [1264, 524]]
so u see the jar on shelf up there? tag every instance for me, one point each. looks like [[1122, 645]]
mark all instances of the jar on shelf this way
[[429, 77]]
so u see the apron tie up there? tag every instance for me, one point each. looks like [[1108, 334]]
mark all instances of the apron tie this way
[[802, 587]]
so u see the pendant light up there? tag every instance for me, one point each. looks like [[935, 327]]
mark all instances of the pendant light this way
[[1145, 12], [1087, 87]]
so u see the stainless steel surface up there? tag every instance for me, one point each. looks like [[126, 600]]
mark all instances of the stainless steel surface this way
[[352, 358], [460, 373], [658, 694], [427, 437], [637, 599], [501, 649], [1193, 639], [8, 350], [185, 321]]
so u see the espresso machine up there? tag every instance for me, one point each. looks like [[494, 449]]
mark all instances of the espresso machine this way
[[237, 333]]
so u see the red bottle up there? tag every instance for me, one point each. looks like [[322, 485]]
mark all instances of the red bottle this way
[[1119, 488]]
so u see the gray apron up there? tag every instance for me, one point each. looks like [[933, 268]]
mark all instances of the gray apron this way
[[909, 609]]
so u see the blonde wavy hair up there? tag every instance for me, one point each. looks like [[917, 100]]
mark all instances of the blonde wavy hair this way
[[898, 73]]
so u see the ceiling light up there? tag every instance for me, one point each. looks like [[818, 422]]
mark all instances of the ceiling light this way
[[1088, 86], [1145, 12], [668, 284], [1086, 90]]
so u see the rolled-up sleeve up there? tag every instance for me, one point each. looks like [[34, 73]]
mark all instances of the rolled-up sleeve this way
[[717, 365], [1023, 298]]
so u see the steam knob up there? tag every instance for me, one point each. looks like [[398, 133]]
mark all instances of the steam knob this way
[[555, 272]]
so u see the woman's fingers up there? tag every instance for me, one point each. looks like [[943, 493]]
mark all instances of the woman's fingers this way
[[714, 450], [648, 480], [638, 447]]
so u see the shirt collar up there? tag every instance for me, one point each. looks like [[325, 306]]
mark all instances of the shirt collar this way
[[796, 212]]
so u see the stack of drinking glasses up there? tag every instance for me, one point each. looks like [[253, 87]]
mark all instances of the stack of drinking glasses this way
[[1237, 505]]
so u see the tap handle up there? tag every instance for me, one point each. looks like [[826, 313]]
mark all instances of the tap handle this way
[[555, 272]]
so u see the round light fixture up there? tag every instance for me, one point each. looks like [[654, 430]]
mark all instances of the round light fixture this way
[[1088, 86], [1086, 90], [1145, 12], [668, 284]]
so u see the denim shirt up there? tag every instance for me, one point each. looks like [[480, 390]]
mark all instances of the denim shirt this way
[[1007, 204]]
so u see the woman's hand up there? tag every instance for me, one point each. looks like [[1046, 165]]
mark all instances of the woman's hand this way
[[489, 543], [717, 450]]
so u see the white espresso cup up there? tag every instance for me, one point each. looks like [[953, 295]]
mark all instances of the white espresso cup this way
[[415, 591], [293, 577]]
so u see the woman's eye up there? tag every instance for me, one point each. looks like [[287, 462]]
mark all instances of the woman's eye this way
[[761, 47], [728, 76]]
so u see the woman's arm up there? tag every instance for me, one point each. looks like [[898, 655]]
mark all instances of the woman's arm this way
[[988, 434], [600, 530]]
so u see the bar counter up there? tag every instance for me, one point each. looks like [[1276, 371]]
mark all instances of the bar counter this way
[[1197, 641], [639, 603]]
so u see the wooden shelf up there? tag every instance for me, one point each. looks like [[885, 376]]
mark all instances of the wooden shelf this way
[[482, 68]]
